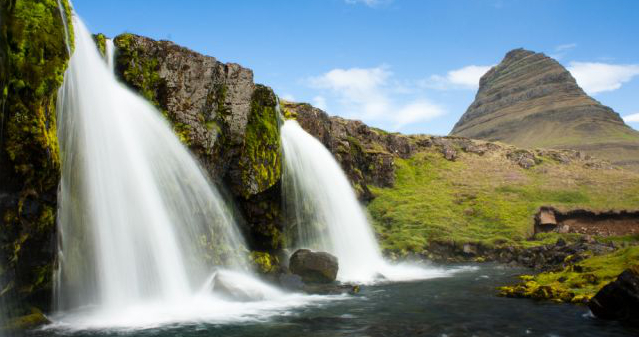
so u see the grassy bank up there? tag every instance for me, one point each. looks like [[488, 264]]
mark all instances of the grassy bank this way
[[487, 198]]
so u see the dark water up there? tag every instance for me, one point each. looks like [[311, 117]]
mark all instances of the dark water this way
[[462, 305]]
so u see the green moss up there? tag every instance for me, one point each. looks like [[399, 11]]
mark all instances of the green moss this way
[[140, 72], [33, 38], [575, 283], [260, 161], [264, 262], [100, 41], [32, 320]]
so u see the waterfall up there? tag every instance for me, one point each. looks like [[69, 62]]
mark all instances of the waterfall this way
[[141, 229], [324, 213], [110, 54]]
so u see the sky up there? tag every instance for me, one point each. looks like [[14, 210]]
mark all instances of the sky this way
[[402, 65]]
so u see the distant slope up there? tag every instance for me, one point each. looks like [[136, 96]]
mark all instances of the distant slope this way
[[531, 101]]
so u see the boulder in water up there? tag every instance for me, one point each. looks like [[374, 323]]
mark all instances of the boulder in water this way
[[314, 267], [619, 300], [237, 287]]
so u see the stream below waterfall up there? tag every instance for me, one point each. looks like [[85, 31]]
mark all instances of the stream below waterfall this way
[[461, 305]]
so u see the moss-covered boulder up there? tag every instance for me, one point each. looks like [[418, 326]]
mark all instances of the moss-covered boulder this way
[[34, 56]]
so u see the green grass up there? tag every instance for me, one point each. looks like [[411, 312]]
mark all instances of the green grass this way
[[487, 199]]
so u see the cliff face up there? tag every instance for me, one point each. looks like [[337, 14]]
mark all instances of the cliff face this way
[[531, 101], [33, 59], [226, 120], [366, 154]]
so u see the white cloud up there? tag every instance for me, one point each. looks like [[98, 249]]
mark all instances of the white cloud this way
[[420, 110], [370, 3], [359, 89], [320, 102], [631, 118], [596, 77], [462, 78], [288, 97], [372, 95]]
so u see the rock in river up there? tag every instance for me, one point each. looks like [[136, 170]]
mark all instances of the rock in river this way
[[619, 300], [314, 267]]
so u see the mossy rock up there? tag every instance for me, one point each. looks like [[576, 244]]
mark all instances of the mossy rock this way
[[260, 161], [30, 321], [264, 262], [33, 40], [100, 41]]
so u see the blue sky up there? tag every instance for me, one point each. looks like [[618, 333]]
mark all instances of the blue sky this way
[[402, 65]]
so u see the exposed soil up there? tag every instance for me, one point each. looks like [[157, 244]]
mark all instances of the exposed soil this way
[[606, 223]]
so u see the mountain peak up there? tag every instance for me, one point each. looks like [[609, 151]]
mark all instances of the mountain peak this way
[[530, 100]]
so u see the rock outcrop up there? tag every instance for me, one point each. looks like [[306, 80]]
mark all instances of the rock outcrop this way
[[365, 154], [619, 300], [227, 121], [33, 58], [531, 101], [314, 267]]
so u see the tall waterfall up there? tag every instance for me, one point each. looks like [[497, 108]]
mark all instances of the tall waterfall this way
[[141, 229], [325, 214]]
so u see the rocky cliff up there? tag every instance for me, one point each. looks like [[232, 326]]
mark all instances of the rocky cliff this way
[[531, 101], [226, 120], [33, 58]]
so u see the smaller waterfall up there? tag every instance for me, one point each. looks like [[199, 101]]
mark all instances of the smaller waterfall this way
[[325, 214], [110, 54]]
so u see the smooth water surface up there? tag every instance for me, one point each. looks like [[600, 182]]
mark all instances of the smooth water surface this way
[[462, 305]]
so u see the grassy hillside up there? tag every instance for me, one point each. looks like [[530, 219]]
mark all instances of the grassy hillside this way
[[488, 198]]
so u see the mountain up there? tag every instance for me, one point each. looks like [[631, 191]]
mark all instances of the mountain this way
[[531, 101]]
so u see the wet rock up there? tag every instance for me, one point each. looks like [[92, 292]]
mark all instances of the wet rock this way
[[237, 287], [619, 300], [291, 282], [314, 267]]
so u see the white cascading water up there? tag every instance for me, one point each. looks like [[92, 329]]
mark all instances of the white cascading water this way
[[109, 48], [140, 227], [325, 214]]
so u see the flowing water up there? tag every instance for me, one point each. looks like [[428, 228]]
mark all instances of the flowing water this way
[[141, 230], [464, 305], [324, 214]]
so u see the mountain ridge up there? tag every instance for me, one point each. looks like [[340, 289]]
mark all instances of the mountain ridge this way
[[530, 100]]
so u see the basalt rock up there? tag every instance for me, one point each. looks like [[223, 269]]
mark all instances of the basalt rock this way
[[33, 58], [314, 267], [619, 300], [226, 120], [531, 101], [365, 154]]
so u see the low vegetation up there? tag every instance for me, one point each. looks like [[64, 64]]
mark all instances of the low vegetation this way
[[487, 199], [576, 283]]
